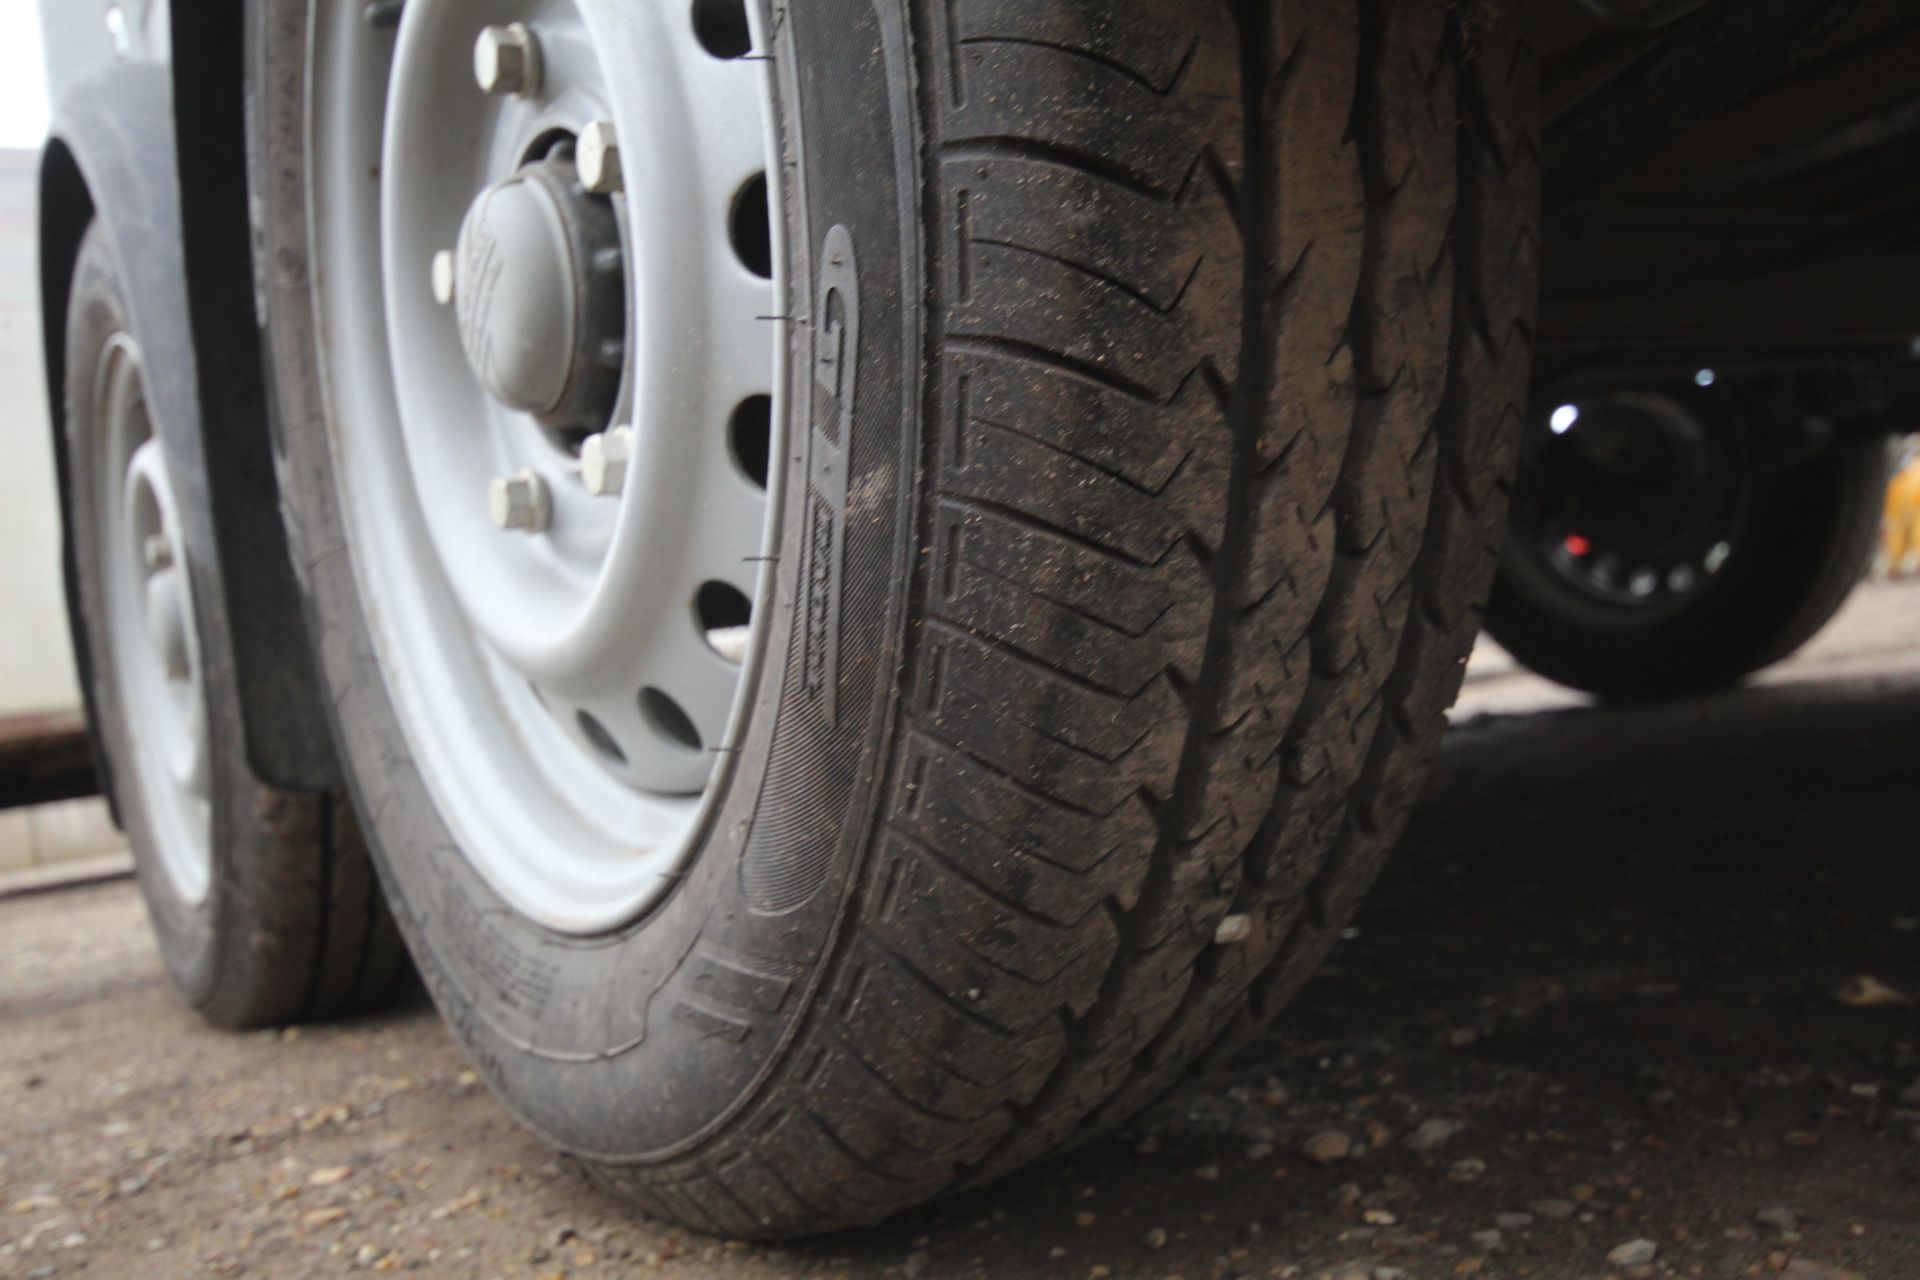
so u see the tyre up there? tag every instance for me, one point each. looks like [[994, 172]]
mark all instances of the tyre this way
[[949, 642], [1668, 541], [265, 904]]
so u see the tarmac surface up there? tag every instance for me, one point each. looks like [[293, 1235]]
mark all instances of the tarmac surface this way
[[1634, 1000]]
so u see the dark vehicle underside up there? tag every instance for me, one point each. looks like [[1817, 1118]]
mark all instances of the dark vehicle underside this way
[[1739, 186]]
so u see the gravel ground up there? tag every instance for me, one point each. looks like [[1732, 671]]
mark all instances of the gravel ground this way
[[1631, 1002]]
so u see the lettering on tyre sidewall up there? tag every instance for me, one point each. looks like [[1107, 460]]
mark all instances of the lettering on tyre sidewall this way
[[835, 338]]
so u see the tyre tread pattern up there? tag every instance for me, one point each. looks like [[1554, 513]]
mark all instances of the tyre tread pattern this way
[[316, 918], [1217, 474]]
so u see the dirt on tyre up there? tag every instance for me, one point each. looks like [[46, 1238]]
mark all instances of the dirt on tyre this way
[[265, 902], [1140, 387]]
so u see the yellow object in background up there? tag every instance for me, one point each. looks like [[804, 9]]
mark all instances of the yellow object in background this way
[[1900, 535]]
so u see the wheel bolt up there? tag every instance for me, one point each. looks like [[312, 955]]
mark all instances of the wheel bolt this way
[[598, 157], [157, 551], [506, 60], [521, 503], [604, 459], [443, 277]]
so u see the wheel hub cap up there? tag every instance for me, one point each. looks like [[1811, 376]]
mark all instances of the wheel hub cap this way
[[540, 297], [155, 647], [167, 623]]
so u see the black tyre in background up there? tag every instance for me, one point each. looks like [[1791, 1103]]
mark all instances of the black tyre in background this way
[[264, 901], [1675, 539]]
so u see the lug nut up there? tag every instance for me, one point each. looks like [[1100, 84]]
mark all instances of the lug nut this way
[[443, 277], [521, 503], [157, 550], [598, 158], [604, 460], [506, 60]]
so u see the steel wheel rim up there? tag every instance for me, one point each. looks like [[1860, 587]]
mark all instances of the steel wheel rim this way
[[155, 639], [536, 676], [1656, 575]]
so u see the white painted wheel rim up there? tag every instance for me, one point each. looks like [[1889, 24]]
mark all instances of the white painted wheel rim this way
[[155, 642], [535, 675]]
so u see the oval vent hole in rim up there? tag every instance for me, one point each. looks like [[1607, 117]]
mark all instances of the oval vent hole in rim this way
[[602, 740], [669, 719], [722, 28], [750, 433], [752, 228], [725, 617]]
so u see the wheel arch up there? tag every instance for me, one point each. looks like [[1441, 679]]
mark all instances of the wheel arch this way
[[169, 194], [65, 211]]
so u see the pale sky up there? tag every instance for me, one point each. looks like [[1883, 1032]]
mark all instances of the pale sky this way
[[23, 77]]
